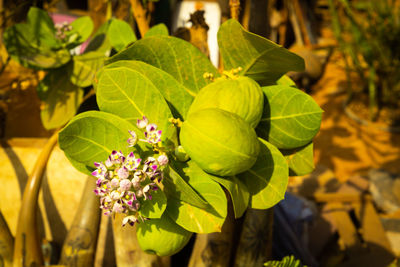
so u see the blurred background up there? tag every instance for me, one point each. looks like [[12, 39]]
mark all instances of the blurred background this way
[[345, 213]]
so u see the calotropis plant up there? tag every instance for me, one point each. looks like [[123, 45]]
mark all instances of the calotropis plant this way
[[41, 44], [244, 130]]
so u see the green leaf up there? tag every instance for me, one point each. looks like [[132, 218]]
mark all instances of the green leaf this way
[[159, 29], [120, 34], [286, 80], [268, 178], [83, 27], [177, 187], [177, 57], [300, 160], [91, 137], [177, 96], [155, 207], [262, 60], [60, 97], [81, 166], [84, 68], [196, 219], [41, 28], [291, 118], [131, 95], [238, 190]]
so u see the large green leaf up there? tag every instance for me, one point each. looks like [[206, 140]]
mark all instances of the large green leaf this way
[[60, 97], [176, 187], [177, 57], [286, 80], [261, 59], [91, 137], [159, 29], [155, 207], [238, 190], [84, 68], [83, 27], [291, 118], [193, 218], [41, 28], [131, 95], [177, 96], [120, 34], [268, 178], [300, 160]]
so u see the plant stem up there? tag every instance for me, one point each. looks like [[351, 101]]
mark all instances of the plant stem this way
[[140, 16], [235, 9], [27, 249]]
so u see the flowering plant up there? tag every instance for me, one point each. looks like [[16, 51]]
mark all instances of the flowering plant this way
[[171, 131]]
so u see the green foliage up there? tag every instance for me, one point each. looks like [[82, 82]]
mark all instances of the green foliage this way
[[268, 178], [84, 68], [160, 77], [120, 34], [159, 29], [300, 160], [262, 60], [91, 136], [177, 57], [288, 261], [291, 117]]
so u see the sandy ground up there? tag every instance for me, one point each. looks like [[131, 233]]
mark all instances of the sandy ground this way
[[343, 145]]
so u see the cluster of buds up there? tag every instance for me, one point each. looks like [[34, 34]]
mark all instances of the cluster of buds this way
[[124, 183], [62, 29]]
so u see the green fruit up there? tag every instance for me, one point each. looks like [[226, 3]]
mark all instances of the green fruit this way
[[161, 236], [220, 142], [242, 96]]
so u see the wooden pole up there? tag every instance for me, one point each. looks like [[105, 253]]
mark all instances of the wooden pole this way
[[27, 249], [80, 244], [255, 245], [215, 249], [127, 250]]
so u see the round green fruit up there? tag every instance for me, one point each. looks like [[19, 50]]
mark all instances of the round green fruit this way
[[242, 96], [220, 142], [162, 237]]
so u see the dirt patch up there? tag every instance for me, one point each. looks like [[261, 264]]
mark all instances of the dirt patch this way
[[344, 145]]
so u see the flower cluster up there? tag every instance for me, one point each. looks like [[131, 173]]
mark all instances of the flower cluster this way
[[124, 183], [62, 29]]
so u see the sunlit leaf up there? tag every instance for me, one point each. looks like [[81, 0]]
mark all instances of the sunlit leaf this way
[[196, 219], [268, 178], [120, 34], [177, 57], [262, 60], [300, 160], [291, 118]]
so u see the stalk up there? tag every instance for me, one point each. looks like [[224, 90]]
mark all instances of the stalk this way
[[27, 249]]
